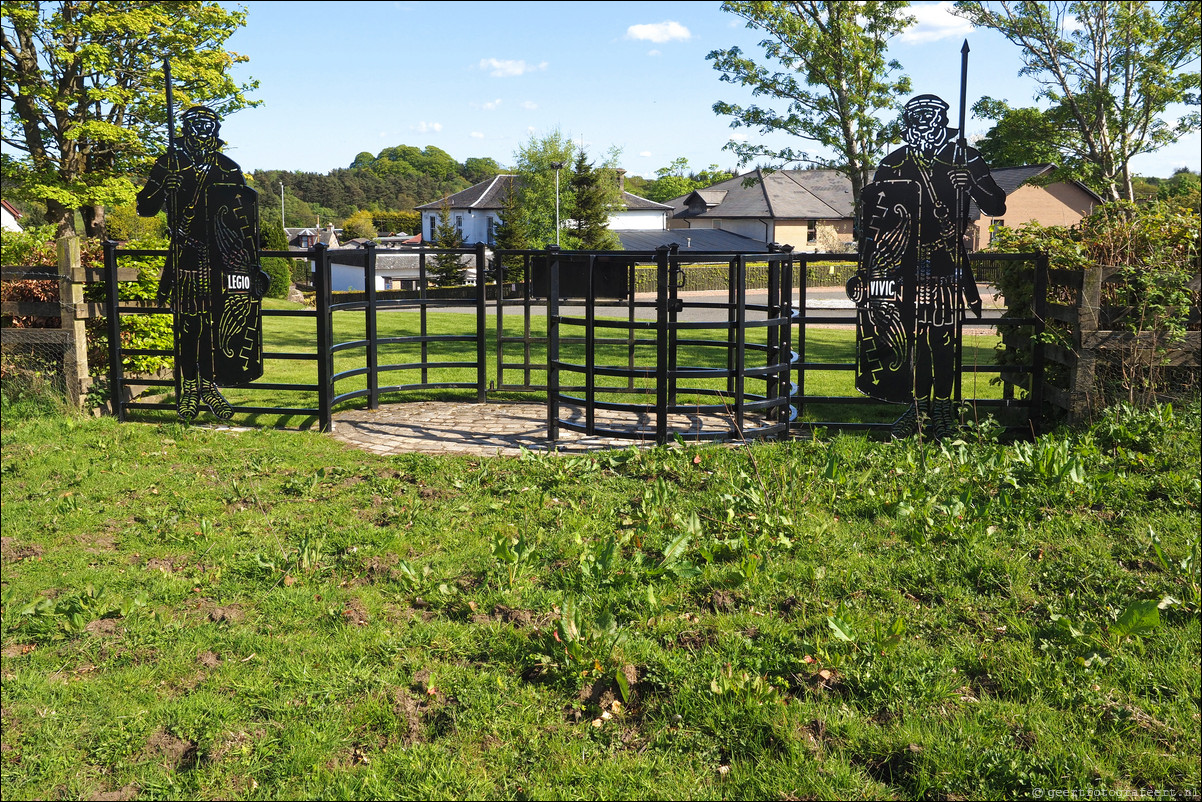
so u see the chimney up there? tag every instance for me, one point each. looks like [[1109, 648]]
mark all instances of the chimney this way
[[621, 180]]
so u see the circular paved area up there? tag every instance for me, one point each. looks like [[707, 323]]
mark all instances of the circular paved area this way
[[494, 429]]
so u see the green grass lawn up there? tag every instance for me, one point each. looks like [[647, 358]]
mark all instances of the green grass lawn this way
[[299, 335], [190, 613]]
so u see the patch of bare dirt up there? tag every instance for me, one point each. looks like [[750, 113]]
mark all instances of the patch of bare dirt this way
[[17, 650], [231, 614], [12, 550], [175, 753], [515, 616], [121, 794], [104, 627], [724, 601], [353, 612], [209, 660]]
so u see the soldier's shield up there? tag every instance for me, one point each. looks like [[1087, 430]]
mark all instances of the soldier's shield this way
[[239, 285], [884, 290]]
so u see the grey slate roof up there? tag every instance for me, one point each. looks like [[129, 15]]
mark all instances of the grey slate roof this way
[[783, 194], [487, 195], [691, 239]]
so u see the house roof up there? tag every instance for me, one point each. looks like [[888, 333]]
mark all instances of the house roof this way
[[691, 239], [1011, 178], [807, 194], [487, 196]]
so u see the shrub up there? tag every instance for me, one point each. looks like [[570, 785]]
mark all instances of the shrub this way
[[281, 277]]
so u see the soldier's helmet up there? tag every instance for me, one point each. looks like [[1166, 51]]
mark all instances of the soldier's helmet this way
[[922, 106]]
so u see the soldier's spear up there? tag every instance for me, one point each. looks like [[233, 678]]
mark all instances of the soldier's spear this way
[[967, 279]]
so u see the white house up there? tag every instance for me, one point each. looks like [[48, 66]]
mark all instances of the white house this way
[[476, 212], [9, 217]]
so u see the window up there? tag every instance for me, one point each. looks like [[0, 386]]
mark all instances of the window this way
[[811, 231], [490, 224], [994, 228], [459, 224], [433, 225]]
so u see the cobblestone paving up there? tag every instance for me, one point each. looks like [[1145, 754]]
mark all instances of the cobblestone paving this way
[[494, 429]]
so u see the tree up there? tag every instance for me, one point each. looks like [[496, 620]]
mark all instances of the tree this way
[[1018, 136], [676, 180], [448, 269], [536, 181], [1111, 68], [831, 73], [359, 224], [595, 194], [513, 233], [84, 93]]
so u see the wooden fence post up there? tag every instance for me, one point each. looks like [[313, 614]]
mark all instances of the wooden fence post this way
[[1082, 372], [75, 347]]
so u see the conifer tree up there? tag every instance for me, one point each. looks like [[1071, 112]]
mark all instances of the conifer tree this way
[[448, 269], [513, 233], [595, 194]]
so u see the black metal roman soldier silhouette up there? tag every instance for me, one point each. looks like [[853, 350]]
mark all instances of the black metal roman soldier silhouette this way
[[212, 281], [913, 280]]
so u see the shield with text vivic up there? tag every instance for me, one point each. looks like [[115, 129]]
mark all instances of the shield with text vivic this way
[[884, 290], [239, 285]]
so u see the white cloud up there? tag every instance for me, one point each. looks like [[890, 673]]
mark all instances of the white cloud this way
[[529, 105], [934, 21], [738, 137], [508, 68], [658, 32], [476, 135], [646, 154], [424, 127], [492, 105]]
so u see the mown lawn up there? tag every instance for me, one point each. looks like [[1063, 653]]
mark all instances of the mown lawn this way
[[192, 613]]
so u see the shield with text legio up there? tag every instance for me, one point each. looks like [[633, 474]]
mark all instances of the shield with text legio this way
[[239, 285], [884, 290]]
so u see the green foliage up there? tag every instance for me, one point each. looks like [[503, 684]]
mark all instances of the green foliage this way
[[361, 224], [1111, 75], [536, 185], [1154, 244], [826, 63], [85, 101], [394, 222], [281, 277], [595, 194], [447, 270], [123, 223], [676, 180]]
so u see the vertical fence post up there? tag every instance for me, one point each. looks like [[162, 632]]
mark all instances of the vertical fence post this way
[[590, 344], [369, 327], [1035, 412], [740, 343], [772, 390], [552, 342], [70, 293], [112, 310], [803, 279], [786, 344], [422, 298], [481, 325], [662, 278], [325, 339]]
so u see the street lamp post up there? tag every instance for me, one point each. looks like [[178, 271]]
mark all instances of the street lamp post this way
[[558, 166], [281, 204]]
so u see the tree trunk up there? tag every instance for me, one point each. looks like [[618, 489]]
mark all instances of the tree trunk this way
[[61, 217], [93, 221]]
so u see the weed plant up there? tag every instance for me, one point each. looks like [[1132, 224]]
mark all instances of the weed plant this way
[[194, 613]]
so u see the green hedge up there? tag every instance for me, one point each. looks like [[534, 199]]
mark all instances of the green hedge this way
[[714, 277]]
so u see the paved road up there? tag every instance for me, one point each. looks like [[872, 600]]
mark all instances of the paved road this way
[[821, 302]]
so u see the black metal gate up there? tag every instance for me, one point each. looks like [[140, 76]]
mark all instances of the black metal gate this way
[[612, 354]]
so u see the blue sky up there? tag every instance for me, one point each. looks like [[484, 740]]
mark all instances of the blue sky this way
[[478, 78]]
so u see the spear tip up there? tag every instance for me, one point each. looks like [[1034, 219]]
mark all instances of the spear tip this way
[[965, 48]]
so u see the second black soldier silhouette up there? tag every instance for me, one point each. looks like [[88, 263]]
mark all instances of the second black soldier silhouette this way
[[913, 276]]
